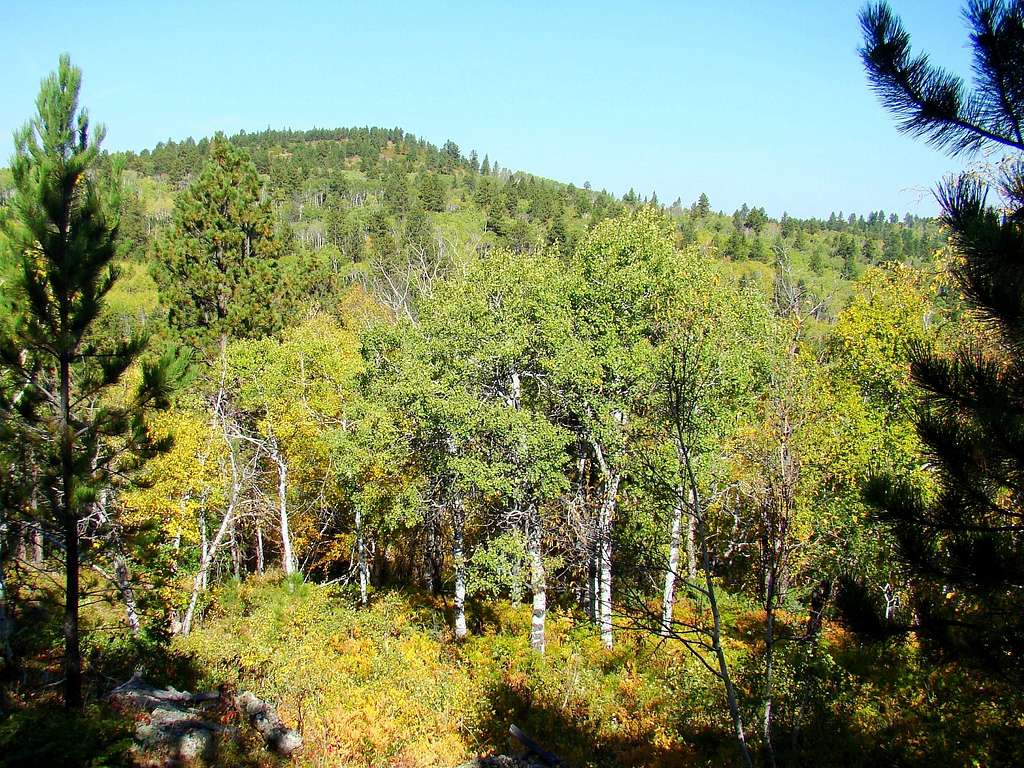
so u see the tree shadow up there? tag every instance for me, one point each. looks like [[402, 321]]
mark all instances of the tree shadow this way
[[576, 740]]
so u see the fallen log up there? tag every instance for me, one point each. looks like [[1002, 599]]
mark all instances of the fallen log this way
[[265, 720], [184, 726]]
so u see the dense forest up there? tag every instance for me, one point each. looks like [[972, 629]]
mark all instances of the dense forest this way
[[417, 447]]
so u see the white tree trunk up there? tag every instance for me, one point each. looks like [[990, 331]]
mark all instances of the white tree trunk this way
[[204, 543], [605, 557], [459, 564], [122, 572], [538, 582], [287, 559], [594, 607], [127, 591], [236, 552], [668, 598], [691, 547], [200, 581], [362, 564], [260, 562]]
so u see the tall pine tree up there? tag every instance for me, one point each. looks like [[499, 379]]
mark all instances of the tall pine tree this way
[[57, 370], [964, 544], [218, 266]]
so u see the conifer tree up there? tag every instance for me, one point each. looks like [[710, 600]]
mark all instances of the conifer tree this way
[[57, 370], [964, 544], [703, 206], [218, 265]]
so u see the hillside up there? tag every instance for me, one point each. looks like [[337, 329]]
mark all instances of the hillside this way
[[413, 451], [359, 199]]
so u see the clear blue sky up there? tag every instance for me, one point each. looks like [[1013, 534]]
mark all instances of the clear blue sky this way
[[759, 102]]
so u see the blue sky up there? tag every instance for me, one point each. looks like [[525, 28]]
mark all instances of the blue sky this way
[[758, 102]]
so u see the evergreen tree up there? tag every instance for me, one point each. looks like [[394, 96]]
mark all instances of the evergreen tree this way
[[218, 265], [756, 220], [59, 373], [931, 102], [964, 543], [452, 156], [432, 192], [703, 206]]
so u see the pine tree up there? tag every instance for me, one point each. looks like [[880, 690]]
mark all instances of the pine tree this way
[[432, 192], [964, 544], [702, 206], [218, 265], [58, 370], [934, 103]]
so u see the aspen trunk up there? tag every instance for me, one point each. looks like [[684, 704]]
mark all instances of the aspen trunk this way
[[594, 584], [236, 552], [605, 558], [204, 544], [538, 583], [287, 559], [716, 629], [459, 564], [260, 562], [691, 547], [362, 564], [668, 597], [122, 575], [200, 581], [199, 584], [122, 571]]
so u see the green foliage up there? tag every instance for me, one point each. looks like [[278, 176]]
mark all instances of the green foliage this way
[[63, 389], [217, 264], [963, 542]]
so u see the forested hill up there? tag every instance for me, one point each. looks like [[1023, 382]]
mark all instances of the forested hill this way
[[359, 198]]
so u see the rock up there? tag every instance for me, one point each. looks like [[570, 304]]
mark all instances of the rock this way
[[178, 726], [264, 718]]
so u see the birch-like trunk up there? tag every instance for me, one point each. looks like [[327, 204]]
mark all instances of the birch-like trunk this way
[[122, 571], [593, 585], [459, 564], [204, 542], [260, 562], [122, 575], [700, 528], [200, 581], [605, 557], [287, 559], [236, 552], [362, 564], [37, 528], [691, 547], [538, 582], [668, 597]]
